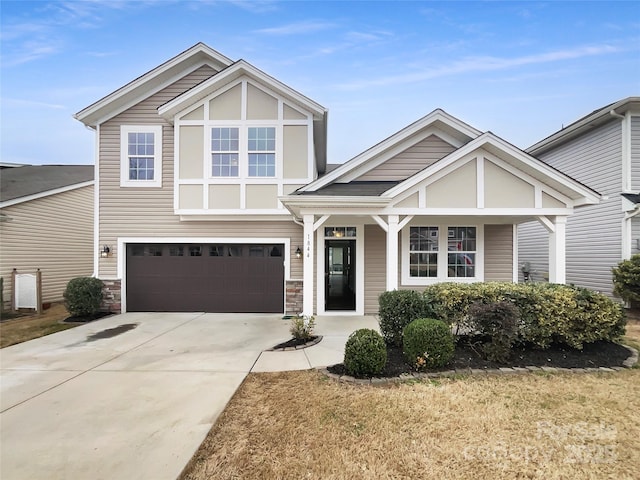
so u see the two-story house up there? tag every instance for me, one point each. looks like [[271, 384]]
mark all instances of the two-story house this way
[[601, 150], [213, 194]]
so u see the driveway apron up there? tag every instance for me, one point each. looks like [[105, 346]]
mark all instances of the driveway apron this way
[[129, 396]]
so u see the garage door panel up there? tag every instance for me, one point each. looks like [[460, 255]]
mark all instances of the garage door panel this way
[[205, 283]]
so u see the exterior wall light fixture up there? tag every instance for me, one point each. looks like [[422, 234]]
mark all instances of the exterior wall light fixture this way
[[298, 252], [106, 251]]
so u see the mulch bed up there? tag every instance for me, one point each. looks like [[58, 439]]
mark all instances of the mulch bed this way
[[296, 343], [89, 318], [597, 354]]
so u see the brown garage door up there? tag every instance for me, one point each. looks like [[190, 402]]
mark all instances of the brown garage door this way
[[205, 278]]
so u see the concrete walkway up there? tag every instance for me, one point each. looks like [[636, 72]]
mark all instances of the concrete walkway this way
[[134, 395]]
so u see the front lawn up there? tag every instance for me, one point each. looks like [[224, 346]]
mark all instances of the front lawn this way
[[27, 327], [548, 426]]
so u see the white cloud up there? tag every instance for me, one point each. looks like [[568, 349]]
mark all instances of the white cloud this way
[[480, 64], [20, 102], [297, 28]]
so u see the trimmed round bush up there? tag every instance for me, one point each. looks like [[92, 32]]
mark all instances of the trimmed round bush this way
[[428, 343], [365, 353], [397, 309], [626, 279], [83, 296]]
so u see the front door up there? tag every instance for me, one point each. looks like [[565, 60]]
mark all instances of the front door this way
[[340, 275]]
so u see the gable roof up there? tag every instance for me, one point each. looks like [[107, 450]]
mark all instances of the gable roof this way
[[585, 124], [537, 169], [151, 82], [243, 68], [34, 181], [455, 129]]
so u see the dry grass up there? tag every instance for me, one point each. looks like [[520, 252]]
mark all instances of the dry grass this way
[[28, 327], [301, 425]]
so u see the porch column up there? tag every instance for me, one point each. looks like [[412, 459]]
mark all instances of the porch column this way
[[392, 252], [308, 274], [557, 250]]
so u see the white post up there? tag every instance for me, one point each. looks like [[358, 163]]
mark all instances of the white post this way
[[557, 251], [392, 252], [309, 255]]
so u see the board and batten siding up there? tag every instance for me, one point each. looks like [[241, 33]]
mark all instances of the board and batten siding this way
[[594, 238], [54, 234], [498, 253], [149, 212], [375, 247], [635, 153], [412, 160]]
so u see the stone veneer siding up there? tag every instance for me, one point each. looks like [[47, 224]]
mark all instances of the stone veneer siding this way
[[111, 296], [293, 297]]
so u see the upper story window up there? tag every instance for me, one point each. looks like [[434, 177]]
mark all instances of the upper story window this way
[[141, 156], [225, 151], [261, 146]]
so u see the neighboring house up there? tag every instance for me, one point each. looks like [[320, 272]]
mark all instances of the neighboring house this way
[[601, 150], [215, 195], [46, 223]]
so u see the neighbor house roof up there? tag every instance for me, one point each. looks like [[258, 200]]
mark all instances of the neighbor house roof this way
[[25, 183], [354, 189], [584, 124]]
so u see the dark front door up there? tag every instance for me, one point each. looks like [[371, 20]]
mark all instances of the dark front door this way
[[229, 278], [340, 274]]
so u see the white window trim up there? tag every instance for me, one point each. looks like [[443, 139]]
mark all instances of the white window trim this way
[[124, 155], [407, 279]]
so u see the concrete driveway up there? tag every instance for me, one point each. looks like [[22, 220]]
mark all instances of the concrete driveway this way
[[134, 395]]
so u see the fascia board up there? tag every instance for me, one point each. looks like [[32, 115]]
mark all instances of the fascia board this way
[[200, 54], [581, 191], [48, 193], [238, 69], [388, 143]]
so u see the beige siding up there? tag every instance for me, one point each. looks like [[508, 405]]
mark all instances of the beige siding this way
[[502, 189], [54, 234], [262, 196], [455, 190], [191, 151], [412, 160], [227, 106], [224, 196], [551, 202], [594, 239], [191, 196], [260, 106], [295, 151], [375, 245], [498, 253], [412, 201], [292, 114], [195, 114]]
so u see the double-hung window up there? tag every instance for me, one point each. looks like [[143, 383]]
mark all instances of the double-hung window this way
[[225, 151], [440, 253], [141, 156], [261, 146]]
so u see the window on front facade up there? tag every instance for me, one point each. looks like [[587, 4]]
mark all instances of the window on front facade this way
[[423, 251], [461, 254], [141, 156], [225, 151], [261, 146]]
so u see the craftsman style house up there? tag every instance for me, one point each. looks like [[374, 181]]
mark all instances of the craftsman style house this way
[[213, 194]]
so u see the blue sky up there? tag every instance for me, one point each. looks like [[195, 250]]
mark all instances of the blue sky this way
[[519, 69]]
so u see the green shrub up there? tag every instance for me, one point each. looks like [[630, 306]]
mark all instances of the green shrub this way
[[302, 327], [83, 296], [428, 343], [365, 353], [626, 279], [498, 322], [549, 313], [398, 309]]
